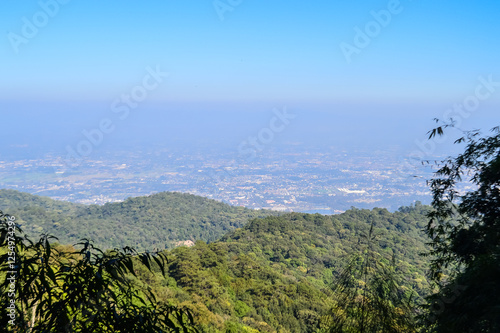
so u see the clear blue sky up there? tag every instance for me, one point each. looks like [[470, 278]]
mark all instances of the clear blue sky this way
[[267, 53]]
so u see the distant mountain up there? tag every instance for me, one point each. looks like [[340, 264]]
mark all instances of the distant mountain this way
[[158, 221]]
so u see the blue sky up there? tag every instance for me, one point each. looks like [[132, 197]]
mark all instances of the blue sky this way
[[263, 54]]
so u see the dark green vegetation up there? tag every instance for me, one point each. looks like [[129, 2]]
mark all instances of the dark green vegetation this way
[[158, 221], [465, 234], [370, 295], [278, 274], [47, 288]]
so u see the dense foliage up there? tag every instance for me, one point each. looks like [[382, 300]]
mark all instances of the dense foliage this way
[[369, 295], [158, 221], [278, 274], [465, 233], [47, 288]]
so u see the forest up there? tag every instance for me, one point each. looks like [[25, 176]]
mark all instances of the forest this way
[[277, 274], [159, 221]]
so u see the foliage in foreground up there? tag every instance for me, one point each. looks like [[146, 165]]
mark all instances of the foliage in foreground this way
[[53, 289], [368, 296], [465, 237]]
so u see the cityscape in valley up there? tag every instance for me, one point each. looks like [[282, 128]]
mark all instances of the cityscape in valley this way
[[326, 181]]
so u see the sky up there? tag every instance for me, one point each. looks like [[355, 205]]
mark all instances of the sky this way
[[66, 65]]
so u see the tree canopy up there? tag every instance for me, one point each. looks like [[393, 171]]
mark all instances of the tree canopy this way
[[159, 221], [369, 295]]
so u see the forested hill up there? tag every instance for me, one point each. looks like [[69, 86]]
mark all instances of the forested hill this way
[[259, 272], [312, 243], [276, 274], [152, 222], [12, 199]]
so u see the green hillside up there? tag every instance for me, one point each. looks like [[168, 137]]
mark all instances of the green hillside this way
[[276, 274], [12, 199], [249, 271], [158, 221]]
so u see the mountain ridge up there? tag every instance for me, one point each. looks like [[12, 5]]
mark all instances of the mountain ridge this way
[[157, 221]]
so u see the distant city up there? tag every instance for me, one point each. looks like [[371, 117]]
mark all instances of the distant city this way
[[294, 178]]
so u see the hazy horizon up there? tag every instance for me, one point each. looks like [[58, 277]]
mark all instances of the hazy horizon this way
[[356, 74]]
